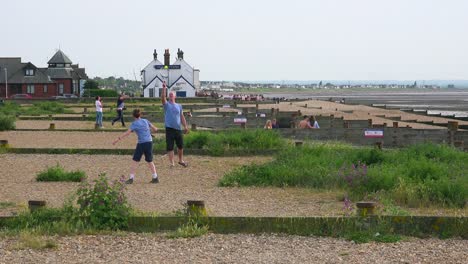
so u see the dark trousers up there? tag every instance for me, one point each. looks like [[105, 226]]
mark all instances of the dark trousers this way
[[119, 117]]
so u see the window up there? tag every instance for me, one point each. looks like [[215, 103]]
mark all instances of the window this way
[[30, 89], [75, 86], [60, 65], [46, 90], [60, 88], [151, 92], [29, 72]]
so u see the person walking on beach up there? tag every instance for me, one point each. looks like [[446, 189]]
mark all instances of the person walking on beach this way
[[173, 119], [120, 108], [142, 128], [98, 105]]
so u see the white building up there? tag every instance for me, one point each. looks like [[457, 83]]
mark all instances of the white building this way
[[180, 77]]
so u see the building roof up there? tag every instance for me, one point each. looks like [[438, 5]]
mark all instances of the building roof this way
[[60, 57], [12, 65], [60, 73], [40, 76]]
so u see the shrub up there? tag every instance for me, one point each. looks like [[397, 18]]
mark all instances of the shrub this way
[[235, 140], [58, 173], [44, 108], [104, 205], [416, 176], [7, 123], [100, 92]]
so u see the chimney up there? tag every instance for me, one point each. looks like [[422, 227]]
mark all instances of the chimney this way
[[180, 54], [155, 55], [167, 57]]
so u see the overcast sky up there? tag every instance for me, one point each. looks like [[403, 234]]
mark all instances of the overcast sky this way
[[247, 39]]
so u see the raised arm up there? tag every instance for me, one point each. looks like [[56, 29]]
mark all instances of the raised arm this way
[[164, 92]]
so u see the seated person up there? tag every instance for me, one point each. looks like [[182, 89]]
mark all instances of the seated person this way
[[274, 124], [313, 123], [305, 123], [268, 125]]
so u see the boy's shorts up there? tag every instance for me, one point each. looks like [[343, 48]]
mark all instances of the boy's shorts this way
[[144, 148]]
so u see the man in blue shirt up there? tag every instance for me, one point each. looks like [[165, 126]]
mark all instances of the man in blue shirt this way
[[173, 119], [142, 128]]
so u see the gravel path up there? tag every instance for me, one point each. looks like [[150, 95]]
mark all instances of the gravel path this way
[[238, 248], [178, 184], [66, 139]]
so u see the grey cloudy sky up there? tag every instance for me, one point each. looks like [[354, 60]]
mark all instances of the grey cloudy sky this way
[[247, 39]]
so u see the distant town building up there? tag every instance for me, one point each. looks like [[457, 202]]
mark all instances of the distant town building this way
[[180, 77], [60, 77]]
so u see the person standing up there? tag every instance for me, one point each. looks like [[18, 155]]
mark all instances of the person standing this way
[[173, 119], [120, 108], [142, 128], [98, 104]]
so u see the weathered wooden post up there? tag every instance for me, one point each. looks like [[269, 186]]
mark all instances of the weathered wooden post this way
[[453, 127], [243, 125], [35, 205], [298, 143], [194, 126], [365, 208], [217, 109], [196, 208], [51, 126], [395, 124], [369, 122], [85, 110], [379, 145], [3, 143]]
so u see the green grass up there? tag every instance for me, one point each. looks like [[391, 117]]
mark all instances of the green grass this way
[[416, 176], [366, 237], [189, 230], [38, 108], [7, 122], [4, 205], [218, 144], [28, 240], [58, 173]]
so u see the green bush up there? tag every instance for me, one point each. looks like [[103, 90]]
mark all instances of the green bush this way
[[9, 108], [104, 205], [58, 173], [417, 176], [7, 123], [218, 144]]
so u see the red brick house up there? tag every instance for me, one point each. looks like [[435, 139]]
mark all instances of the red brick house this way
[[60, 77]]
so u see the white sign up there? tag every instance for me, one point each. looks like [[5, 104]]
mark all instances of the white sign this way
[[226, 106], [373, 133], [240, 120]]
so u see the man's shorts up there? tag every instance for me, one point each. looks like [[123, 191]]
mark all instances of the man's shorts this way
[[174, 135], [144, 148]]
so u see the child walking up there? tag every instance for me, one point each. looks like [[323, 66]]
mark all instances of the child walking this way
[[142, 128]]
